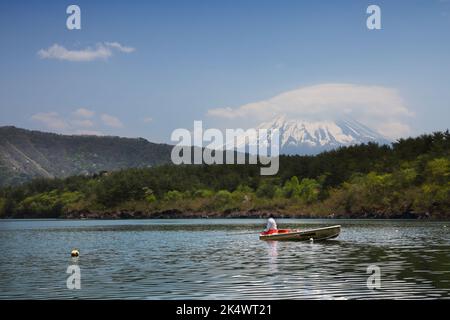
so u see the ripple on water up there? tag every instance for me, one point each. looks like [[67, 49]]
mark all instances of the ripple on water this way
[[222, 259]]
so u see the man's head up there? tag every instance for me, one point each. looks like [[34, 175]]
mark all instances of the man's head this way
[[271, 216]]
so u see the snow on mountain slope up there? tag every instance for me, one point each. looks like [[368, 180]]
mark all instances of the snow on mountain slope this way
[[307, 137]]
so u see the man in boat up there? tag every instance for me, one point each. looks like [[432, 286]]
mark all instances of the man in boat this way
[[271, 225]]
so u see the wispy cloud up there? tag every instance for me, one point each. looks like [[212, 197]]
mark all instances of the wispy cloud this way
[[111, 121], [147, 119], [101, 51], [83, 113], [51, 120], [81, 121], [379, 107], [120, 47], [89, 54]]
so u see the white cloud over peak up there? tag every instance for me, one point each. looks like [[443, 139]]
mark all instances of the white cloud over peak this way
[[379, 107], [111, 121], [101, 51], [394, 129]]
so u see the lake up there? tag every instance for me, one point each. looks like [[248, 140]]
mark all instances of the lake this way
[[222, 259]]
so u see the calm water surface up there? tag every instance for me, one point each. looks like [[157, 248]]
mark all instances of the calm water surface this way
[[222, 259]]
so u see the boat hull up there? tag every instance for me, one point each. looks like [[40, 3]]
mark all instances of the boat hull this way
[[305, 235]]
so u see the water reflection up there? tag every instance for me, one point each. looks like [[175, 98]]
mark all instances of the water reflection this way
[[222, 259], [272, 250]]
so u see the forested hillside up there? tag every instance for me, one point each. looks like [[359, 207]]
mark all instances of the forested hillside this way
[[26, 154], [411, 178]]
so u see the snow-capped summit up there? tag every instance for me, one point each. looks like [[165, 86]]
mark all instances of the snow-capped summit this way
[[312, 137]]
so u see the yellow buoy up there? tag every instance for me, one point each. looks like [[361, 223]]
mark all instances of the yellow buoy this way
[[75, 253]]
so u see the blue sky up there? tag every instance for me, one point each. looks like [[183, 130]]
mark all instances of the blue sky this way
[[210, 60]]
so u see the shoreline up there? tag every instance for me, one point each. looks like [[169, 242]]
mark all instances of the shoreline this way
[[178, 214]]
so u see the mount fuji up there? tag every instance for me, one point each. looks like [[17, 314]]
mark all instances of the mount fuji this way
[[312, 137]]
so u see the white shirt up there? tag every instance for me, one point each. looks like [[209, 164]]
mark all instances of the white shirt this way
[[271, 224]]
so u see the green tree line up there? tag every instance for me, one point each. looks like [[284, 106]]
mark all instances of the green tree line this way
[[411, 177]]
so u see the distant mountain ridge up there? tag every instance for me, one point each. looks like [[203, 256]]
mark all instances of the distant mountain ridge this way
[[26, 154], [312, 137]]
